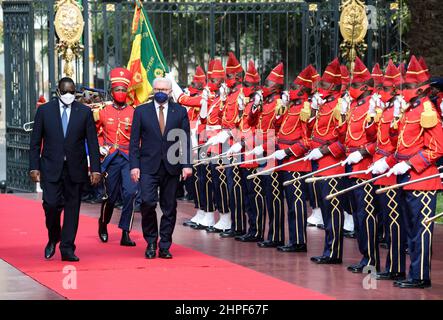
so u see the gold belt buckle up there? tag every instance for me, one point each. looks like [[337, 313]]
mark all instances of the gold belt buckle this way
[[116, 146]]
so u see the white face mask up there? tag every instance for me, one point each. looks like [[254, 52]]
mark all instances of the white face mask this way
[[67, 98]]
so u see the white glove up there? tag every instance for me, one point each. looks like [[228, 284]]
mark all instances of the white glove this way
[[258, 98], [223, 92], [235, 148], [212, 140], [258, 151], [317, 101], [222, 136], [354, 157], [205, 93], [441, 108], [204, 108], [279, 154], [399, 105], [373, 103], [379, 167], [344, 107], [241, 102], [399, 169], [314, 154], [104, 150], [285, 98]]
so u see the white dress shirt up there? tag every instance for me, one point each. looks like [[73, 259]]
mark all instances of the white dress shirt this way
[[165, 109], [62, 107]]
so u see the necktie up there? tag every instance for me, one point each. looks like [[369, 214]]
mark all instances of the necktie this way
[[64, 120], [161, 118]]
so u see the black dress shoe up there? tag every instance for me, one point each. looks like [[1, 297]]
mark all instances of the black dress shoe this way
[[198, 226], [326, 260], [50, 249], [164, 254], [349, 234], [269, 244], [188, 223], [215, 230], [321, 226], [414, 284], [126, 240], [398, 276], [356, 268], [230, 234], [70, 257], [249, 238], [311, 224], [102, 231], [150, 251], [293, 248]]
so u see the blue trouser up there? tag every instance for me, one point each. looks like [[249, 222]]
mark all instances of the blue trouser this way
[[255, 203], [365, 219], [274, 207], [296, 194], [220, 188], [333, 217], [206, 188], [419, 206], [118, 181], [236, 186], [312, 195], [395, 232]]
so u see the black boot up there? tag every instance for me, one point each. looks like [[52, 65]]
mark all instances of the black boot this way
[[126, 240], [105, 217]]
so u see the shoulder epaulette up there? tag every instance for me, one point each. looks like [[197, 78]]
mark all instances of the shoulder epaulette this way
[[429, 117]]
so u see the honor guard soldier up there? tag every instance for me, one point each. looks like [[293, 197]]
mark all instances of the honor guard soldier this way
[[265, 117], [292, 141], [114, 130], [193, 100], [360, 131], [420, 145], [390, 202], [255, 204], [326, 150]]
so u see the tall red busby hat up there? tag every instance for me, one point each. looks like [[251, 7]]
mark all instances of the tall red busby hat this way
[[210, 66], [120, 77], [217, 69], [392, 76], [332, 73], [360, 73], [252, 75], [415, 73], [277, 74], [200, 76], [377, 75], [345, 79], [232, 65], [307, 77], [424, 66]]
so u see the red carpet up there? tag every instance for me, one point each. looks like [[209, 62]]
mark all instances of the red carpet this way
[[109, 271]]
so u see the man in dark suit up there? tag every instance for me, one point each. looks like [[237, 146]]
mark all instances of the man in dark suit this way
[[57, 159], [158, 154]]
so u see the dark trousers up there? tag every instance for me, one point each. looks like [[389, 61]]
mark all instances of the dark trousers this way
[[150, 185], [395, 231], [296, 195], [419, 206], [63, 195], [118, 182], [275, 207], [194, 188], [255, 202], [220, 188], [365, 227], [236, 187], [206, 188], [333, 217]]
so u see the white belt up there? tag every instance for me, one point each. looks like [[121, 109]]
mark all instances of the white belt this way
[[216, 127]]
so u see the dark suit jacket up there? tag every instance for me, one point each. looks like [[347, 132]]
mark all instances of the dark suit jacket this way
[[148, 147], [48, 129]]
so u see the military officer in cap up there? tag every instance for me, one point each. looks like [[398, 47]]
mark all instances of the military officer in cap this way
[[113, 124]]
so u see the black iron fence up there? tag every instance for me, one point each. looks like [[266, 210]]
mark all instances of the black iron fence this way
[[190, 33]]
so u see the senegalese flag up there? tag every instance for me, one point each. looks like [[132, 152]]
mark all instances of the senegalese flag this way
[[146, 61]]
